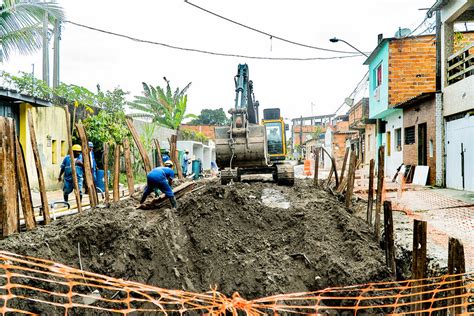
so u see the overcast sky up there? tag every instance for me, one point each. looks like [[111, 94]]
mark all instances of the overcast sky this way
[[89, 57]]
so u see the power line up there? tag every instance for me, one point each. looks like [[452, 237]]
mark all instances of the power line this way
[[205, 51], [364, 78], [266, 33]]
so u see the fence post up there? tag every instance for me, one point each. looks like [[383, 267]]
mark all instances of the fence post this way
[[86, 160], [418, 269], [77, 194], [344, 163], [39, 170], [158, 151], [174, 155], [25, 193], [350, 179], [456, 265], [380, 188], [316, 166], [116, 188], [128, 166], [389, 239], [106, 173], [141, 149], [370, 195]]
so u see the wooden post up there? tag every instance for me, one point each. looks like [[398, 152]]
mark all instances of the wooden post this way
[[174, 155], [158, 151], [116, 172], [86, 160], [25, 193], [316, 166], [331, 172], [9, 210], [350, 179], [456, 265], [141, 149], [333, 162], [346, 156], [370, 198], [77, 194], [106, 173], [39, 170], [128, 167], [389, 238], [380, 188], [418, 269]]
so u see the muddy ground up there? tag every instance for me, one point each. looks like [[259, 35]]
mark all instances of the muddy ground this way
[[255, 238]]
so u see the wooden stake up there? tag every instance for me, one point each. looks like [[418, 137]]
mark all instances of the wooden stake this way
[[346, 156], [39, 170], [350, 180], [158, 151], [141, 149], [175, 156], [331, 172], [9, 210], [316, 167], [116, 172], [456, 265], [25, 193], [86, 160], [77, 194], [370, 198], [128, 167], [389, 238], [418, 268], [106, 173], [380, 188]]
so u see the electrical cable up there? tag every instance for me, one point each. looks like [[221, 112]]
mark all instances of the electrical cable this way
[[205, 51], [364, 78], [266, 33]]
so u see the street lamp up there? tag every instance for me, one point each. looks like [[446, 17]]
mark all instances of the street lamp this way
[[335, 40]]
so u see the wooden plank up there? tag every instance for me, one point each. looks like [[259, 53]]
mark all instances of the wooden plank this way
[[39, 170], [418, 268], [175, 155], [350, 180], [389, 238], [141, 149], [158, 151], [128, 167], [331, 172], [106, 173], [9, 207], [163, 201], [380, 188], [316, 167], [346, 156], [333, 162], [77, 194], [116, 186], [370, 198], [86, 160], [456, 265], [25, 193]]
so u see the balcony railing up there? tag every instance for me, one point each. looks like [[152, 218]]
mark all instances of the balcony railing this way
[[461, 65]]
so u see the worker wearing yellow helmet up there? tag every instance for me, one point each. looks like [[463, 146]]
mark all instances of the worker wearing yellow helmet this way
[[161, 178], [68, 184]]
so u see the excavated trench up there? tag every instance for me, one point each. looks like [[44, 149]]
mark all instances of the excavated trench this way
[[255, 238]]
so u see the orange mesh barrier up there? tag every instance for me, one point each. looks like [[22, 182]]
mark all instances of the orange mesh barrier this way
[[34, 286]]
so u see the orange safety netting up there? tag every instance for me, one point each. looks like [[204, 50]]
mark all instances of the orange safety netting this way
[[35, 286]]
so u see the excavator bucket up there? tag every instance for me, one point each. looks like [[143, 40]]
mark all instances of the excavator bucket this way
[[242, 148]]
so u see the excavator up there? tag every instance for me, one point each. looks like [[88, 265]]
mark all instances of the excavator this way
[[247, 147]]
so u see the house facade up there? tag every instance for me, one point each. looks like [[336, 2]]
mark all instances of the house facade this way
[[337, 139], [399, 69]]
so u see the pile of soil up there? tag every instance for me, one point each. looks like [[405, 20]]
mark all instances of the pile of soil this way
[[255, 238]]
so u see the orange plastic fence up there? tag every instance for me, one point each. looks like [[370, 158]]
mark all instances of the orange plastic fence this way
[[34, 286]]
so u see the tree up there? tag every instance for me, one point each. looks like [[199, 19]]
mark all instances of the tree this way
[[161, 105], [211, 117], [21, 25]]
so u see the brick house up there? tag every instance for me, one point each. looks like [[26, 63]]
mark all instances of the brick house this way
[[419, 130], [358, 122], [337, 139], [399, 69], [207, 130]]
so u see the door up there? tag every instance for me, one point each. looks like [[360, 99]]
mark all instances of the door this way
[[422, 145]]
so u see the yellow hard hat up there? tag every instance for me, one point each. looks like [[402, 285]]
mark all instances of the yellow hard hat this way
[[76, 147], [169, 163]]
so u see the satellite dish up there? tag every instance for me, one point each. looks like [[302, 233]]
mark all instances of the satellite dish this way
[[402, 32], [349, 101]]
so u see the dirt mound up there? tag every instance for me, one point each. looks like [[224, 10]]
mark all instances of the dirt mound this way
[[254, 238]]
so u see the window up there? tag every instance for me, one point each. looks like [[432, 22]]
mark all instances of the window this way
[[378, 76], [398, 139], [63, 148], [274, 138], [410, 135], [54, 152], [389, 143]]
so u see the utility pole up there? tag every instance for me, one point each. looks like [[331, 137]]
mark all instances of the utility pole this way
[[57, 39], [45, 50]]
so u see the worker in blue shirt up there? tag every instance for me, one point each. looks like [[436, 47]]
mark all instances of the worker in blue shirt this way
[[161, 178], [68, 185], [93, 162], [165, 157]]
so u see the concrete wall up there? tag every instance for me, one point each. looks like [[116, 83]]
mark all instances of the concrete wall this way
[[395, 159], [459, 97]]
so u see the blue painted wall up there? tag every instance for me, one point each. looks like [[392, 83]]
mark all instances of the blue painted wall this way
[[377, 108]]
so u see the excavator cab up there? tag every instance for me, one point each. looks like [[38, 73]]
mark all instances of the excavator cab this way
[[276, 136]]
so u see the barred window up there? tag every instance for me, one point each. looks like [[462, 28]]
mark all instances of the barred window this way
[[409, 135]]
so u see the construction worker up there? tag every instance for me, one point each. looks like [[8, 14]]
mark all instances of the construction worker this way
[[93, 162], [68, 185], [161, 178], [166, 156], [185, 162]]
